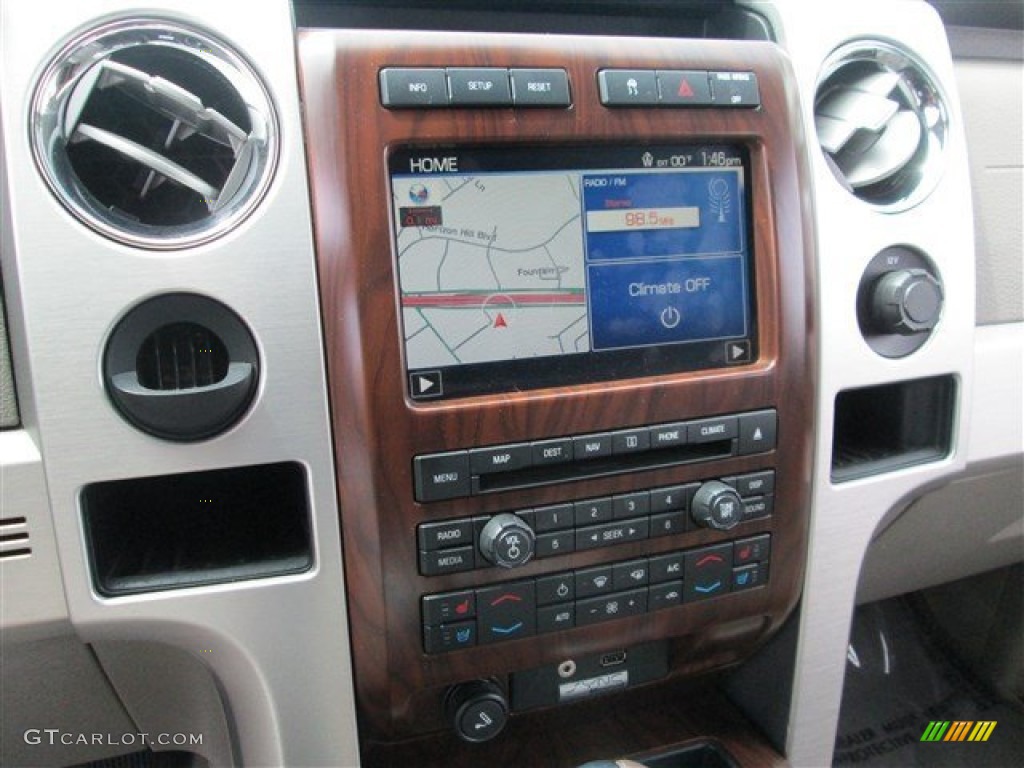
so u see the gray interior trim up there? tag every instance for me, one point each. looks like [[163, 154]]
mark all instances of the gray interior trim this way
[[980, 43], [8, 399], [992, 99]]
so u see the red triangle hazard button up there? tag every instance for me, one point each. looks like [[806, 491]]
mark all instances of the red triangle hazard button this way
[[500, 321], [685, 89]]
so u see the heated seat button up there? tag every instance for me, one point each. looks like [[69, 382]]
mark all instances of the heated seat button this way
[[449, 637], [506, 611], [707, 572], [452, 606], [540, 88], [479, 87], [756, 549], [402, 87], [749, 576]]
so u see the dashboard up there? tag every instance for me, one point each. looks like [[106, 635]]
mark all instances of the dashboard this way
[[435, 384]]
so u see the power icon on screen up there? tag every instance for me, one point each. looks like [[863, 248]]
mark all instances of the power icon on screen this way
[[670, 317]]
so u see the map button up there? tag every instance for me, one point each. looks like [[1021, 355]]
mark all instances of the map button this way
[[425, 385], [501, 458]]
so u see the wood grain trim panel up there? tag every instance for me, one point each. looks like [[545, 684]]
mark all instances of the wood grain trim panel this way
[[378, 430]]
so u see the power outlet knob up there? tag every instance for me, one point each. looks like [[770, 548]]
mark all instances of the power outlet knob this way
[[507, 541], [477, 711], [716, 505], [906, 301]]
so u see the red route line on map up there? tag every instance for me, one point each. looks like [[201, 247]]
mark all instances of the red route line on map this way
[[495, 300]]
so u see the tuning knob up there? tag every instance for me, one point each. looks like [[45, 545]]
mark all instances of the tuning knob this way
[[507, 541], [477, 711], [716, 505], [906, 301]]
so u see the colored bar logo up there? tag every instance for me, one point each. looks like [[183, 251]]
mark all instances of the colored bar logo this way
[[958, 730]]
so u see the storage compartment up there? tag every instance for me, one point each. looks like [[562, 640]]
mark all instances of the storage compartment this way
[[704, 755], [891, 426], [197, 528]]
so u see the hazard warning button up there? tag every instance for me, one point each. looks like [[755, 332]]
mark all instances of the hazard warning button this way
[[684, 88]]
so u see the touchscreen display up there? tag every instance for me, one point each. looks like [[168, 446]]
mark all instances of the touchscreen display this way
[[529, 267]]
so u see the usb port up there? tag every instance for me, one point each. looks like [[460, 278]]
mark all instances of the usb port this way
[[613, 659]]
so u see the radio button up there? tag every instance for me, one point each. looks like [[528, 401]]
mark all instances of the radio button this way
[[551, 544], [757, 432], [540, 88], [451, 533], [631, 505], [479, 87], [557, 517], [668, 524], [552, 451], [712, 430], [592, 511], [627, 87], [671, 498], [401, 87], [502, 458], [441, 476], [684, 88]]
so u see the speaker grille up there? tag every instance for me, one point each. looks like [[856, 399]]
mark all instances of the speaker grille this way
[[154, 135]]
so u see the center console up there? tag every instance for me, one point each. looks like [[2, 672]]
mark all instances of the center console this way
[[567, 281]]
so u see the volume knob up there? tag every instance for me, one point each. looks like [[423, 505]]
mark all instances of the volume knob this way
[[716, 505], [507, 541]]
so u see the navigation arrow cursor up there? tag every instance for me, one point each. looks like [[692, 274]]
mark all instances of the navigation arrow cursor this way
[[736, 351], [425, 384]]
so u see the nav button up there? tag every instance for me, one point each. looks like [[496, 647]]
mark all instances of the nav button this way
[[425, 385]]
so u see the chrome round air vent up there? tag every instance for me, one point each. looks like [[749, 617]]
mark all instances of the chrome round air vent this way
[[154, 134], [882, 123]]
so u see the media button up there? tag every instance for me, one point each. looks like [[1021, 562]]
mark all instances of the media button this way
[[447, 561]]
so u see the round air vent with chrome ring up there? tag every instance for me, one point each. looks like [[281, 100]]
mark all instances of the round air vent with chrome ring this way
[[882, 123], [154, 134]]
